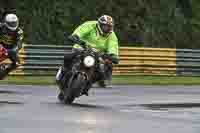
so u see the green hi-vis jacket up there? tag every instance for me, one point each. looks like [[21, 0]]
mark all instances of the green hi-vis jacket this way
[[89, 33]]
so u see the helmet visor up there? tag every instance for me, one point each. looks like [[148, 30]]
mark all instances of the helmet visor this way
[[12, 24], [106, 28]]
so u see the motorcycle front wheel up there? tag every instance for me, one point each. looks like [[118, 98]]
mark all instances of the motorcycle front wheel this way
[[74, 88]]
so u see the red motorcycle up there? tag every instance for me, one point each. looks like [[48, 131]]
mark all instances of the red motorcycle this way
[[3, 56]]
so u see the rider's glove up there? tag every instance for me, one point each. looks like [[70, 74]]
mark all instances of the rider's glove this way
[[76, 39], [108, 61], [79, 48]]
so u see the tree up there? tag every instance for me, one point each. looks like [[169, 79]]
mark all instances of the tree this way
[[155, 23]]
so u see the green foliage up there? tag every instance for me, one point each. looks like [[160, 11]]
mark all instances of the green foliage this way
[[45, 21], [150, 23], [166, 25]]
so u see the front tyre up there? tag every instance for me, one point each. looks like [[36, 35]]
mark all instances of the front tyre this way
[[69, 99], [74, 88]]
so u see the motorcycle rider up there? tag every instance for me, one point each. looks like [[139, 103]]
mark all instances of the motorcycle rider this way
[[99, 35], [11, 37]]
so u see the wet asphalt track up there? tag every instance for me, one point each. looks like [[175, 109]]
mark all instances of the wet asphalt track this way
[[123, 109]]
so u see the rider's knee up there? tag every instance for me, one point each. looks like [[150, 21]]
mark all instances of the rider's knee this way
[[59, 74]]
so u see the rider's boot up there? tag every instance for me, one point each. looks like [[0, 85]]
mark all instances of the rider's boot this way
[[101, 83], [106, 81], [59, 77], [61, 96]]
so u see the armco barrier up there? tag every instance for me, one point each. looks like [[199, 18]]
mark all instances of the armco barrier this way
[[45, 59], [188, 62]]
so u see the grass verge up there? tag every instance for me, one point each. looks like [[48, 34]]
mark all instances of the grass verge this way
[[119, 80]]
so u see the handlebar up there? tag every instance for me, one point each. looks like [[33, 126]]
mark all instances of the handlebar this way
[[76, 39]]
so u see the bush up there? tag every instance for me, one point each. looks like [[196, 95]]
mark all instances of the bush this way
[[155, 23]]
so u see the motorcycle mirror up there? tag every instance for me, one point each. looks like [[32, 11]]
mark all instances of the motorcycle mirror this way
[[66, 41], [66, 34]]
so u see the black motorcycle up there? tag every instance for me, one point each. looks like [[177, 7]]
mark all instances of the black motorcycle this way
[[87, 68]]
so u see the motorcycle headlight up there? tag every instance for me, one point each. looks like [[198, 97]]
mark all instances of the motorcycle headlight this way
[[89, 61]]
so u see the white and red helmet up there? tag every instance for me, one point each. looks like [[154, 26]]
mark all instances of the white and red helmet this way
[[105, 24]]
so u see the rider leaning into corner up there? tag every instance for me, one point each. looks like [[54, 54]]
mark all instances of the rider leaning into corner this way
[[11, 37], [99, 35]]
